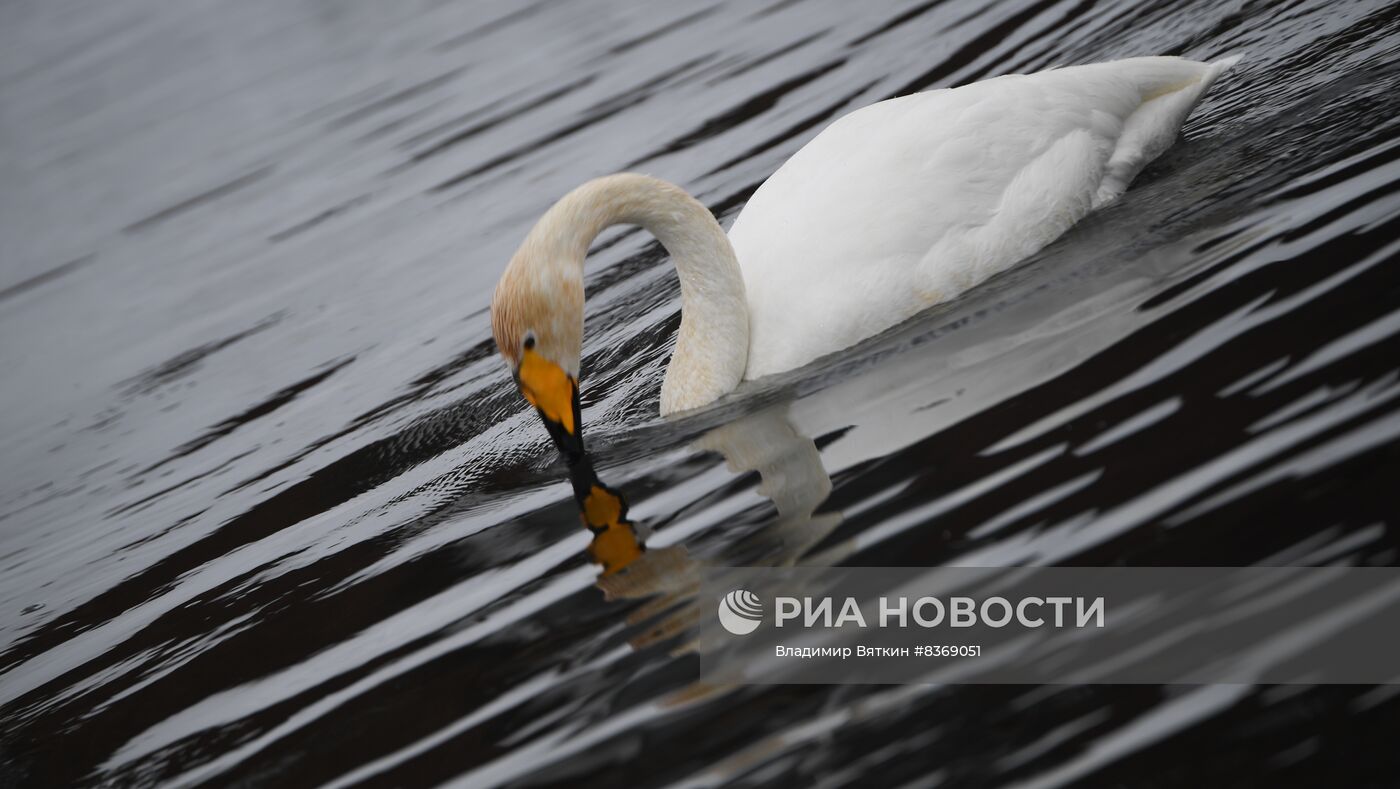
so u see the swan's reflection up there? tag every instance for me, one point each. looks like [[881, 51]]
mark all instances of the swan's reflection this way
[[791, 475]]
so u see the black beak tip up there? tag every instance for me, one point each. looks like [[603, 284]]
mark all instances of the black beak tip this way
[[570, 445]]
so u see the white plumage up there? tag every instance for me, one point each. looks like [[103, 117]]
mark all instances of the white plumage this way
[[911, 201], [889, 210]]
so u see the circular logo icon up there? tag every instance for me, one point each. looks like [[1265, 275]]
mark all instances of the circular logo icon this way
[[740, 612]]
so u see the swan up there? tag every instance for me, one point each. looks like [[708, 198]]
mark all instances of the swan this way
[[889, 210]]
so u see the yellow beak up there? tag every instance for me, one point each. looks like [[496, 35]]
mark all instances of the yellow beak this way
[[554, 393], [549, 389]]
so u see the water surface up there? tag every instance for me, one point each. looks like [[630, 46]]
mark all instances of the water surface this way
[[271, 512]]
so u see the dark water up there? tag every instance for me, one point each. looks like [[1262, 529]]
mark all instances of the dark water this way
[[272, 514]]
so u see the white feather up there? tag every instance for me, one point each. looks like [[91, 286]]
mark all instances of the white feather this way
[[911, 201]]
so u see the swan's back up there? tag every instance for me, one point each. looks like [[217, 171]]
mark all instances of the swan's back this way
[[909, 202]]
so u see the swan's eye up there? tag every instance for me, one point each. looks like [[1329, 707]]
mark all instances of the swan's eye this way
[[529, 341]]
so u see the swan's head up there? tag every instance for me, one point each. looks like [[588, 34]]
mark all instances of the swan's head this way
[[537, 319]]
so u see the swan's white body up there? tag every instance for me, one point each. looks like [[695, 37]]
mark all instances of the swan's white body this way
[[911, 201], [890, 209]]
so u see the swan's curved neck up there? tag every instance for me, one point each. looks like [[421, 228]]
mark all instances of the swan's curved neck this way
[[712, 345]]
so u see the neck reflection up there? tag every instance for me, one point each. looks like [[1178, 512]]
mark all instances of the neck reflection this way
[[791, 475]]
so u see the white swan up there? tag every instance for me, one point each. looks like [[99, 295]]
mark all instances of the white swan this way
[[890, 209]]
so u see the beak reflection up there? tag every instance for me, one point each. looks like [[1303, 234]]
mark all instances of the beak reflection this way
[[615, 544], [603, 510], [554, 394]]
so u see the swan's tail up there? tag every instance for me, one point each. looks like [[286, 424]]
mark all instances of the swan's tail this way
[[1228, 61], [1171, 90], [1219, 67]]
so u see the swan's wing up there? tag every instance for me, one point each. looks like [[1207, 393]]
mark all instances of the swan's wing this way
[[910, 201]]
